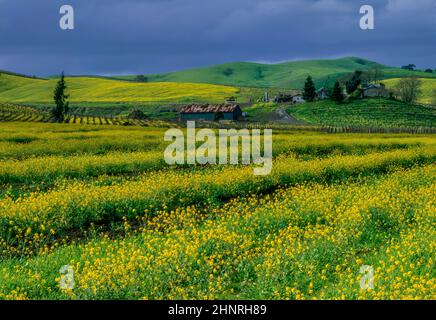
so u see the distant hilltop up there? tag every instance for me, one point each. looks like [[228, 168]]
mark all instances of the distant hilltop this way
[[282, 75]]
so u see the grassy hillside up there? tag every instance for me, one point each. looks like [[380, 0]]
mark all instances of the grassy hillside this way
[[283, 75], [25, 90], [400, 73], [9, 81], [261, 112], [428, 85], [367, 113]]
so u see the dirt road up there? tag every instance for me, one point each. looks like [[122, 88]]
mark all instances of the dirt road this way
[[287, 118]]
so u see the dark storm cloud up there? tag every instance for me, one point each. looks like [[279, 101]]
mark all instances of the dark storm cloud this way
[[147, 36]]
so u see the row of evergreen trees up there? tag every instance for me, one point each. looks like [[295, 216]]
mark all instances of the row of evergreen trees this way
[[309, 91], [351, 85]]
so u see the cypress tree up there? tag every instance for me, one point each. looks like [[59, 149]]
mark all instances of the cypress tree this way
[[309, 92], [337, 94], [60, 99]]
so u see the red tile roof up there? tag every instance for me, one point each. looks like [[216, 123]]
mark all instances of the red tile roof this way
[[209, 108]]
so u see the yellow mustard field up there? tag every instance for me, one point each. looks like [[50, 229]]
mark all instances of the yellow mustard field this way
[[94, 212]]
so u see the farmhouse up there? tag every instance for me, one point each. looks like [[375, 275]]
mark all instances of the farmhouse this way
[[209, 112], [298, 99], [289, 97], [375, 90], [283, 97]]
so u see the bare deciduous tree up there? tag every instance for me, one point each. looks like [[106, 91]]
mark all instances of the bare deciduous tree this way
[[408, 89]]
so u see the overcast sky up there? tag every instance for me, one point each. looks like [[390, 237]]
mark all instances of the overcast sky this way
[[153, 36]]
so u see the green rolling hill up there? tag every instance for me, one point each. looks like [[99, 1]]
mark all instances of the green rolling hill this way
[[10, 81], [282, 75]]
